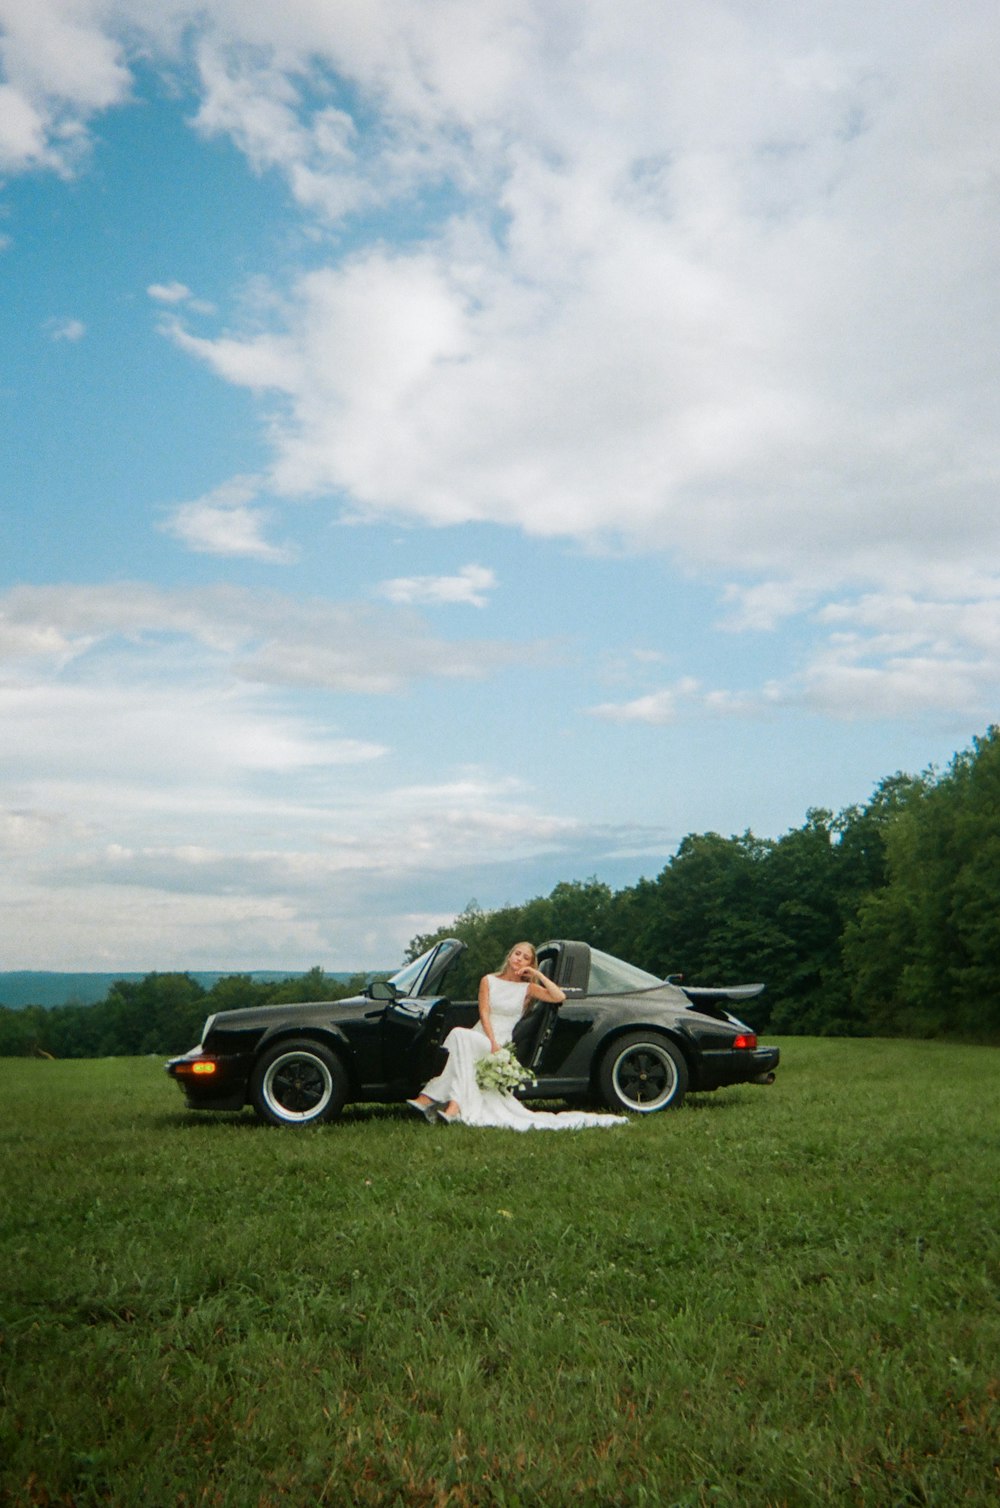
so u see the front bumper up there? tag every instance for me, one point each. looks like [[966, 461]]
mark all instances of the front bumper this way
[[209, 1081]]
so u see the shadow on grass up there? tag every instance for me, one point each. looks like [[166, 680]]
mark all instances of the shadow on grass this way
[[718, 1099], [396, 1112], [245, 1120]]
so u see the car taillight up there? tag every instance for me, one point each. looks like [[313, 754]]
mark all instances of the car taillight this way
[[204, 1066], [746, 1040]]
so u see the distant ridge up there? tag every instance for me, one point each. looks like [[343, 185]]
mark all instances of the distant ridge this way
[[21, 987]]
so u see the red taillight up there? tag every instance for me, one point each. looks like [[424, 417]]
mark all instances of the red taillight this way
[[204, 1065], [746, 1040]]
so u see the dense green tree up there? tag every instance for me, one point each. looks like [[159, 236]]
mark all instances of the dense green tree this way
[[314, 985], [21, 1031], [924, 950]]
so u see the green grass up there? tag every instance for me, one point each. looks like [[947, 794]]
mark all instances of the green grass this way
[[771, 1297]]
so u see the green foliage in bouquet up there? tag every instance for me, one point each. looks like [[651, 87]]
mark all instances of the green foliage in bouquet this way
[[501, 1071]]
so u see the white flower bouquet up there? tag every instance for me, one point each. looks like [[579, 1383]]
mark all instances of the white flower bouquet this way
[[501, 1071]]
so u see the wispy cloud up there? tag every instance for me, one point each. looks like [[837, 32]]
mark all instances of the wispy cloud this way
[[470, 586], [656, 707], [169, 293], [225, 522], [265, 638], [896, 656], [175, 295], [70, 330]]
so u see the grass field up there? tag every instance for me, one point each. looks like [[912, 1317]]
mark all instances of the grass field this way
[[771, 1297]]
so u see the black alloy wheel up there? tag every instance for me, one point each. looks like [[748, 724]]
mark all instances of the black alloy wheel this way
[[298, 1084], [643, 1072]]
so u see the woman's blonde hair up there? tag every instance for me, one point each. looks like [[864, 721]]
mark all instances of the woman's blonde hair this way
[[534, 955]]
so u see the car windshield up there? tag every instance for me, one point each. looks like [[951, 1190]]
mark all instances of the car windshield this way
[[406, 978], [611, 976]]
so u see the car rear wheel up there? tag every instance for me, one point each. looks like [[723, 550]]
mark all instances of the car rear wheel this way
[[643, 1072], [298, 1084]]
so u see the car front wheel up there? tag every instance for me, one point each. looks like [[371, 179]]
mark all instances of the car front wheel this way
[[298, 1084], [643, 1072]]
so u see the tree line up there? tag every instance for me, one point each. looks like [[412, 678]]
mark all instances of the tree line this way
[[162, 1013], [883, 919]]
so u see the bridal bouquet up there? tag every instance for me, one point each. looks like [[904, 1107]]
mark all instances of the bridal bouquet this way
[[501, 1071]]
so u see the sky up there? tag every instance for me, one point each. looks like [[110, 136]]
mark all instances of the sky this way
[[450, 447]]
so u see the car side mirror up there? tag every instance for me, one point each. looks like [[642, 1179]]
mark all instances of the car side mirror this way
[[381, 989]]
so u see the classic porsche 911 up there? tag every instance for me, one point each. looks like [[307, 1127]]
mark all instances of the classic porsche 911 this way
[[621, 1038]]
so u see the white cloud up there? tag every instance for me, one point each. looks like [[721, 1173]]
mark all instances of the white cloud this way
[[262, 638], [890, 656], [61, 68], [740, 304], [896, 655], [703, 357], [70, 330], [469, 586], [22, 132], [169, 293], [224, 523], [177, 294], [656, 707], [764, 605]]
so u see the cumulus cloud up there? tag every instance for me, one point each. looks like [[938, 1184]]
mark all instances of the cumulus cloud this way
[[717, 289], [61, 67]]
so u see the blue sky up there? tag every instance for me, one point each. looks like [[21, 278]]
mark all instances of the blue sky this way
[[448, 449]]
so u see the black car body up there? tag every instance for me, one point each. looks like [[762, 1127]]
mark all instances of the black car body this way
[[621, 1038]]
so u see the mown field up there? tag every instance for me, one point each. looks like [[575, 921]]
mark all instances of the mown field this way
[[771, 1297]]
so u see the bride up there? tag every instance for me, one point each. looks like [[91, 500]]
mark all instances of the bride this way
[[503, 998]]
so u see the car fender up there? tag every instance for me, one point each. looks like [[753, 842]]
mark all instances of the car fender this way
[[326, 1036]]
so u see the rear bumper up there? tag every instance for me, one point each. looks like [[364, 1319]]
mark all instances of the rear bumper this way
[[737, 1066]]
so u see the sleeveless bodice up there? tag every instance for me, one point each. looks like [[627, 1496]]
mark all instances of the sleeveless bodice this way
[[506, 1004]]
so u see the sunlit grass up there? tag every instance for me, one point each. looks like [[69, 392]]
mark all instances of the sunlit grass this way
[[771, 1297]]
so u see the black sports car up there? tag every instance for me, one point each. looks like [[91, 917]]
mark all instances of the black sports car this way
[[621, 1038]]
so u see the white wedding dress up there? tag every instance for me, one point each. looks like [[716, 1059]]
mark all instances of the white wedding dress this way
[[457, 1081]]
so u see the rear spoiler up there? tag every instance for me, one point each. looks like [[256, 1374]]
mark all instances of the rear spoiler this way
[[734, 992]]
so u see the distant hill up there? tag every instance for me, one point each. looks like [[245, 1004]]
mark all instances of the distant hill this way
[[19, 988]]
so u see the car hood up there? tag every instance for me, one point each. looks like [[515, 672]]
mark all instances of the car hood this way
[[296, 1010]]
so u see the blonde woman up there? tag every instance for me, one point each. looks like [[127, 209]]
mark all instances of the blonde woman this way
[[454, 1094]]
